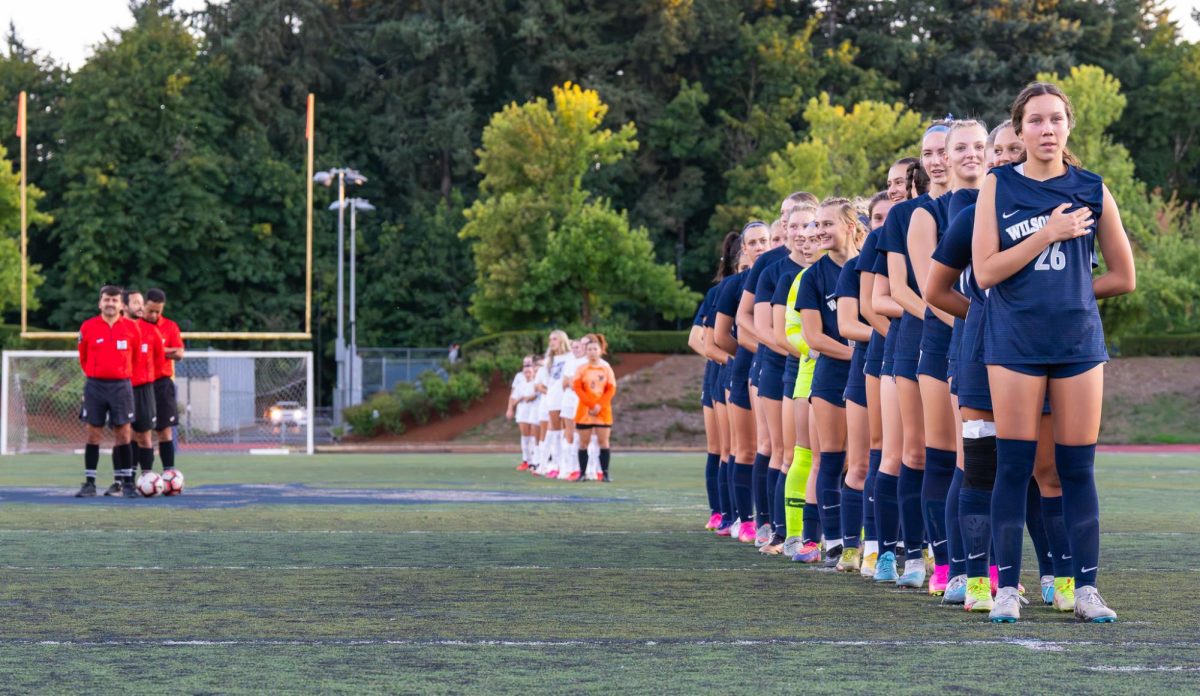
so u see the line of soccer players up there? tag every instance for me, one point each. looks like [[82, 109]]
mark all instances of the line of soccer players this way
[[562, 403], [128, 353], [905, 403]]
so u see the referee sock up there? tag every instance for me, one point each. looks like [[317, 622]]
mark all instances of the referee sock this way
[[794, 483], [91, 460], [868, 491], [852, 514], [1014, 466], [1056, 537], [758, 480], [912, 521], [829, 495], [743, 494], [166, 452], [605, 455], [887, 512], [954, 538], [1037, 530], [711, 466], [939, 472], [582, 456], [1081, 508]]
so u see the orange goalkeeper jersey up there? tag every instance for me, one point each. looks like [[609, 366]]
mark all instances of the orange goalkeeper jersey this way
[[595, 385]]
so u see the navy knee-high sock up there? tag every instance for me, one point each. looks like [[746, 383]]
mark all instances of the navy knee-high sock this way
[[1056, 536], [759, 483], [812, 523], [870, 531], [887, 512], [743, 479], [954, 539], [731, 486], [829, 494], [1014, 466], [852, 515], [779, 509], [975, 514], [711, 466], [1037, 529], [723, 492], [939, 472], [912, 521], [1081, 508], [772, 479]]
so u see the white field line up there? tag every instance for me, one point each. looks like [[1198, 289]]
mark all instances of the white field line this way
[[1028, 644]]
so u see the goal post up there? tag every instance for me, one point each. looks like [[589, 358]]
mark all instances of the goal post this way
[[228, 401]]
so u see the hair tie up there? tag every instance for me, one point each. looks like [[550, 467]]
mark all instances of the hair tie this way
[[938, 128], [754, 223]]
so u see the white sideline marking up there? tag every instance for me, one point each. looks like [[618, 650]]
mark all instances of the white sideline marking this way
[[1002, 642], [269, 450], [1143, 668]]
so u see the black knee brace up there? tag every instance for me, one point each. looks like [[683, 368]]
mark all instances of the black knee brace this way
[[979, 463]]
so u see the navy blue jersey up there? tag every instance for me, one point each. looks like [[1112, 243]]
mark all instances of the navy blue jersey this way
[[960, 199], [847, 286], [729, 293], [764, 261], [1046, 312], [954, 251], [702, 311], [938, 208], [865, 263], [781, 283], [769, 280], [709, 305], [895, 235], [818, 290]]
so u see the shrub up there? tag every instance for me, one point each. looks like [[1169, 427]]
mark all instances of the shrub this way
[[466, 388], [658, 342], [382, 413], [437, 392], [1158, 344]]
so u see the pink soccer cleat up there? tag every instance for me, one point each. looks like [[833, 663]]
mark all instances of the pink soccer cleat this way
[[939, 580], [714, 521], [746, 532]]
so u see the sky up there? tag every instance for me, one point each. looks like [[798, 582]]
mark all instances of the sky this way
[[40, 23]]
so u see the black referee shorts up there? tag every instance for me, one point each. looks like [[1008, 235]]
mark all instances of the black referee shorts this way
[[107, 401], [166, 409], [144, 408]]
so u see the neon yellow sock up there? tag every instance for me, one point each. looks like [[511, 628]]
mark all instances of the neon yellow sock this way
[[793, 490]]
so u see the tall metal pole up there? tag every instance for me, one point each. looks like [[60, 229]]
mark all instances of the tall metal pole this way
[[339, 395], [353, 327]]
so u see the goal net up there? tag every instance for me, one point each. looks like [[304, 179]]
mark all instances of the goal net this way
[[228, 401]]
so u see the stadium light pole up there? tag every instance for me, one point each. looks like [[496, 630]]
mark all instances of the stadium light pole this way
[[354, 204], [343, 175]]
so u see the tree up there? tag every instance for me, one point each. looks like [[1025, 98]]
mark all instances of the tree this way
[[1164, 236], [846, 153], [546, 250], [10, 236]]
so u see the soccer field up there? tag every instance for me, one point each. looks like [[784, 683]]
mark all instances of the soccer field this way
[[331, 574]]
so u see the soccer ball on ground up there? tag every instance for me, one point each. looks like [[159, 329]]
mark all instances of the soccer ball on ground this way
[[172, 482], [150, 484]]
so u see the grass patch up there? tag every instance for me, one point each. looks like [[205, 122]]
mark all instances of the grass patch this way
[[539, 598], [1168, 418]]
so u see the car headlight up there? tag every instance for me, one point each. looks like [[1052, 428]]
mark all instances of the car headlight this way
[[276, 415]]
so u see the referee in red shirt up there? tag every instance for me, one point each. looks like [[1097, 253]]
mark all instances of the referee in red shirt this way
[[164, 383], [146, 359], [106, 346]]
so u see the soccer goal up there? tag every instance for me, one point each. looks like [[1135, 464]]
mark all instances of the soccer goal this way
[[228, 401]]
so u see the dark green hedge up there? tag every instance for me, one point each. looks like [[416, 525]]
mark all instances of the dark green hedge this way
[[1158, 344], [658, 342]]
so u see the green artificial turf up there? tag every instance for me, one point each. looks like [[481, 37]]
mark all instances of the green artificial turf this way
[[621, 593]]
